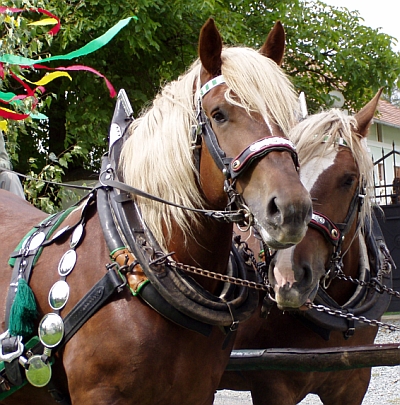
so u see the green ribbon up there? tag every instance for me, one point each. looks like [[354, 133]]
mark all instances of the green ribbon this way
[[9, 96], [92, 46]]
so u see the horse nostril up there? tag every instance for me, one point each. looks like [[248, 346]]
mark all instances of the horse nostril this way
[[274, 212], [307, 274], [309, 214]]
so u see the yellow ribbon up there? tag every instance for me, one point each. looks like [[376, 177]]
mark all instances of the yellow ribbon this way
[[48, 78], [3, 126], [45, 21]]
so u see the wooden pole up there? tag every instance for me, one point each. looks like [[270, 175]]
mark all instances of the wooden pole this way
[[308, 360]]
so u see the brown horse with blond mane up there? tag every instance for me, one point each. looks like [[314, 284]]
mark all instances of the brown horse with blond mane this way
[[136, 328], [342, 244]]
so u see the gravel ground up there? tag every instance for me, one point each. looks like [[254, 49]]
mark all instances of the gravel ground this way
[[384, 388]]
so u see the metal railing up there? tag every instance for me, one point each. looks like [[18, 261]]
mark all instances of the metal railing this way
[[387, 193]]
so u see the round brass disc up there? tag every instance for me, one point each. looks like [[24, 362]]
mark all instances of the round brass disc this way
[[51, 330], [38, 372], [58, 295], [67, 263], [76, 236]]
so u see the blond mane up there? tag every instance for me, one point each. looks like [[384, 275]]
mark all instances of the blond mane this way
[[319, 132], [158, 157]]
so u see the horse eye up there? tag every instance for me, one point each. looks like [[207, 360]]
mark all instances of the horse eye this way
[[349, 181], [218, 117]]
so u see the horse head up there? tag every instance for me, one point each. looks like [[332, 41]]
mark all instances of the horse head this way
[[337, 170], [249, 105]]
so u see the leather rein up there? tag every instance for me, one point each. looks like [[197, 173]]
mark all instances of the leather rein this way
[[232, 168], [131, 228]]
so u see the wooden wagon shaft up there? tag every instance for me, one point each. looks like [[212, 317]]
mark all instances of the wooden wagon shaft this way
[[307, 360]]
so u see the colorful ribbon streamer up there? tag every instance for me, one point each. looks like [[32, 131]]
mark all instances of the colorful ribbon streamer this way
[[53, 31], [49, 77], [11, 115], [110, 87], [92, 46]]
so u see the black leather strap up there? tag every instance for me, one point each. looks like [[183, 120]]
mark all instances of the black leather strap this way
[[211, 142], [259, 149], [90, 304], [328, 229], [223, 216], [87, 306], [12, 369], [373, 303]]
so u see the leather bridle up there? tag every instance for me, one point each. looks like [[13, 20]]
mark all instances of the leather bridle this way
[[236, 210], [334, 233], [232, 168]]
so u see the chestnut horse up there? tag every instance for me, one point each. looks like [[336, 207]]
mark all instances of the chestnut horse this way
[[335, 167], [211, 141]]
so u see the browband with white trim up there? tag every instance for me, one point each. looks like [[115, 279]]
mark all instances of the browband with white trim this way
[[211, 84], [338, 140]]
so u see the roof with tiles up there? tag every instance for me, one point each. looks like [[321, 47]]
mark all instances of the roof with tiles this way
[[388, 113]]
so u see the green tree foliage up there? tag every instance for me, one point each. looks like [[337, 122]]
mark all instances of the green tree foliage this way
[[334, 50], [327, 49]]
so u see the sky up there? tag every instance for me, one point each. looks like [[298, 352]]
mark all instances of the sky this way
[[384, 14]]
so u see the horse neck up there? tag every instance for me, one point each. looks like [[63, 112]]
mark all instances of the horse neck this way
[[207, 248], [209, 244]]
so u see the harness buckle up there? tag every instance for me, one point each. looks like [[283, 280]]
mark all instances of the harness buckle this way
[[234, 326], [195, 135], [350, 330], [4, 385], [9, 357]]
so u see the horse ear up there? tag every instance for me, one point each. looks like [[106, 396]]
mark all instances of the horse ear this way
[[365, 115], [210, 48], [274, 46]]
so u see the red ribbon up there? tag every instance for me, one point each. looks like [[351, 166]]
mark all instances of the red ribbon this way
[[12, 115], [29, 91], [53, 31], [110, 87]]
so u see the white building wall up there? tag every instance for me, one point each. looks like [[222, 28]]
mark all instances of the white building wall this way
[[381, 139]]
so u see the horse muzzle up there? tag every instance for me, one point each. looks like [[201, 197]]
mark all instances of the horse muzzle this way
[[291, 298]]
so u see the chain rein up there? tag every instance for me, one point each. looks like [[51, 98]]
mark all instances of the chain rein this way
[[228, 279], [260, 267], [266, 286]]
